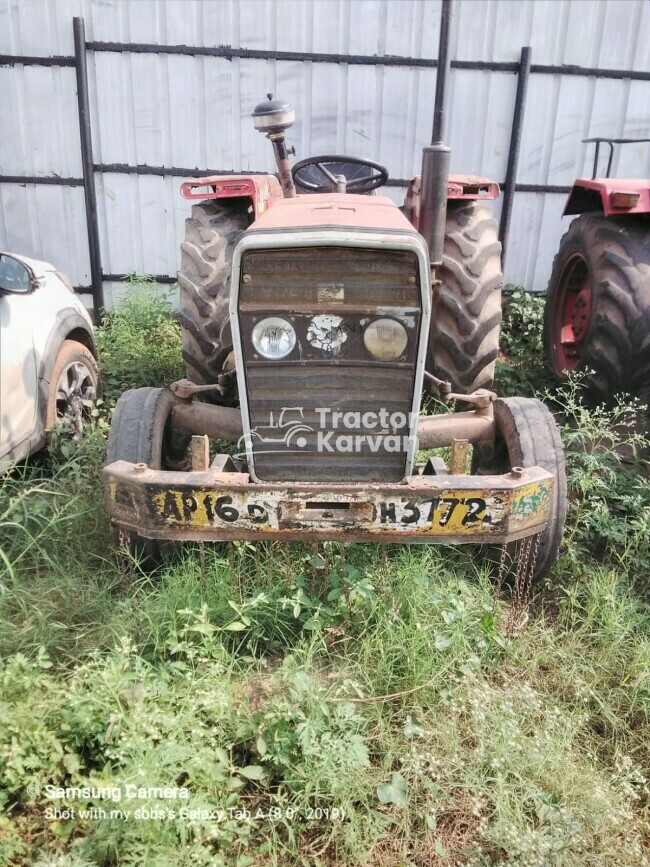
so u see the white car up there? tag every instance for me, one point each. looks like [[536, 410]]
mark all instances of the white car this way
[[48, 366]]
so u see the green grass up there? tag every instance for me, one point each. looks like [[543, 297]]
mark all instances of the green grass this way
[[337, 706]]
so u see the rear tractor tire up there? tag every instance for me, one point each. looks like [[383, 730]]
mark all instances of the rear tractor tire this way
[[141, 433], [527, 436], [466, 314], [211, 234], [597, 314]]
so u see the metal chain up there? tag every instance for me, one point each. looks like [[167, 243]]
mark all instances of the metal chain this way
[[502, 564], [538, 539], [526, 566], [124, 560], [522, 564]]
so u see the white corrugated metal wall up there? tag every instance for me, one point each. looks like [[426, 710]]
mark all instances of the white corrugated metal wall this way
[[194, 111]]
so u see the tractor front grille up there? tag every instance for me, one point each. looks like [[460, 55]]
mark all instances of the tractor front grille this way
[[329, 413]]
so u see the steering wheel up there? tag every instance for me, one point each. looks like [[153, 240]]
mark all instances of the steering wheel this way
[[355, 175]]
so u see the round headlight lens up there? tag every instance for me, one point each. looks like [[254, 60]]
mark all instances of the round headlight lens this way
[[274, 337], [385, 339]]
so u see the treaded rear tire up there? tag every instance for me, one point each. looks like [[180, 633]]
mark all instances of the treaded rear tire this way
[[211, 234], [527, 436], [140, 434], [466, 315], [616, 252]]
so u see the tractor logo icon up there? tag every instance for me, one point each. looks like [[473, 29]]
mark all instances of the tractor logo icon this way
[[287, 429]]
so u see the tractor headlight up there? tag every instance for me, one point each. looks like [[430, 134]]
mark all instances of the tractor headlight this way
[[274, 337], [385, 339]]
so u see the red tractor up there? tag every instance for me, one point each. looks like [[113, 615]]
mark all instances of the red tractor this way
[[597, 315], [467, 303], [309, 323]]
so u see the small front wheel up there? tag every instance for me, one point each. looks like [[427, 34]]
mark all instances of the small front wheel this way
[[141, 433], [527, 436]]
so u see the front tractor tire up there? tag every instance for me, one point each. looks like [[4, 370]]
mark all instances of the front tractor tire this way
[[466, 314], [526, 435], [141, 434], [211, 234], [597, 315]]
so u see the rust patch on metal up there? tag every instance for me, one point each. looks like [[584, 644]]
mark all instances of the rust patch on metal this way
[[458, 462], [200, 450]]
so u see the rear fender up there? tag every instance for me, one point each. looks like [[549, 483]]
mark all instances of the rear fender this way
[[609, 196], [458, 187], [259, 190]]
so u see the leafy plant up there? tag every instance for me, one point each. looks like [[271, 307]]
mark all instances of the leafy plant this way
[[139, 342], [522, 325], [607, 470], [520, 368]]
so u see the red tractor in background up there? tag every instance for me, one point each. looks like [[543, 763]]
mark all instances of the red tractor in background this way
[[597, 315]]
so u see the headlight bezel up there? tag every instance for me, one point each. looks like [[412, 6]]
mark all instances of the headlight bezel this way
[[279, 322], [401, 331]]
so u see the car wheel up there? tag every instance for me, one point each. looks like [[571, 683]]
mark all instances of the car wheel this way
[[73, 389]]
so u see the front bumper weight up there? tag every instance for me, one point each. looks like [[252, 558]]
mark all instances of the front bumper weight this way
[[217, 506]]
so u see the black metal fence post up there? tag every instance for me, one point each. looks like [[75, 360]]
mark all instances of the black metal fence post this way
[[83, 103], [435, 158], [442, 73], [515, 145]]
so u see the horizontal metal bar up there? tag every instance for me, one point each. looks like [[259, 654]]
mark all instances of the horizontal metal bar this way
[[589, 72], [221, 422], [228, 53], [615, 140], [158, 278], [538, 188], [174, 171], [163, 171], [32, 60], [433, 431], [166, 279], [41, 179]]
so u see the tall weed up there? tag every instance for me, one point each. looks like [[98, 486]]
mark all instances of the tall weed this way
[[139, 343], [520, 366]]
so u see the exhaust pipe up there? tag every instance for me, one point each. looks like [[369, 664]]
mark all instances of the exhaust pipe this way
[[435, 158], [433, 199]]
